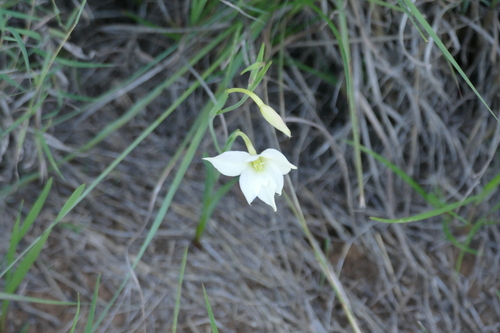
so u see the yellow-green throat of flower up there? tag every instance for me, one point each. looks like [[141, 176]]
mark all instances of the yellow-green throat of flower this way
[[258, 164]]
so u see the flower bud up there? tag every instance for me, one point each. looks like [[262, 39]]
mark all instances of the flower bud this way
[[274, 119]]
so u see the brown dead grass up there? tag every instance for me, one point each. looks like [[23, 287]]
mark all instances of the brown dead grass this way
[[259, 271]]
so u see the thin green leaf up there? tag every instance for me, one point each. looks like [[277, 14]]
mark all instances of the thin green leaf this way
[[26, 263], [25, 328], [432, 213], [209, 310], [90, 319], [41, 141], [221, 101], [77, 315], [79, 98], [252, 85], [257, 65], [394, 169], [210, 199], [22, 47], [179, 289], [35, 210], [71, 202], [260, 55], [38, 242], [467, 242], [19, 15], [490, 187], [15, 237], [197, 7], [17, 123], [57, 13], [11, 252], [19, 298], [388, 5], [16, 85], [30, 33], [454, 240]]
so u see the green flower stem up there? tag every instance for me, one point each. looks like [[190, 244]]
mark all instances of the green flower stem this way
[[248, 143], [250, 94]]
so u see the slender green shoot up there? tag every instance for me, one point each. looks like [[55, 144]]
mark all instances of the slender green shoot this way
[[90, 319], [77, 315], [179, 290], [209, 310]]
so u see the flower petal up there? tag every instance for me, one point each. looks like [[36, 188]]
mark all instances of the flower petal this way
[[252, 158], [275, 176], [230, 163], [277, 158], [266, 194], [250, 184]]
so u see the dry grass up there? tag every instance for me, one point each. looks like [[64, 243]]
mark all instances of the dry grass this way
[[259, 271]]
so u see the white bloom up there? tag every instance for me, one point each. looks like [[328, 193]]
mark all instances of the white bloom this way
[[260, 175]]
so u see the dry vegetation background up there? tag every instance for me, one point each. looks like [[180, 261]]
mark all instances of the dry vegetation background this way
[[260, 273]]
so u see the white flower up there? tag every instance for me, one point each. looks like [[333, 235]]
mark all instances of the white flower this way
[[260, 175]]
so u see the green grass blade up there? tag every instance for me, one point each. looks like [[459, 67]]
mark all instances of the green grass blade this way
[[14, 239], [466, 244], [210, 199], [26, 263], [426, 215], [257, 65], [197, 7], [22, 47], [179, 290], [19, 298], [90, 319], [253, 83], [210, 179], [41, 141], [77, 315], [11, 252], [18, 122], [394, 169], [43, 237], [421, 19], [71, 202], [35, 210], [17, 234], [209, 310], [31, 34], [18, 15], [429, 197], [455, 241], [16, 85], [490, 187]]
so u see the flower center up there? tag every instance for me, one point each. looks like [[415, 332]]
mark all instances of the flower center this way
[[258, 164]]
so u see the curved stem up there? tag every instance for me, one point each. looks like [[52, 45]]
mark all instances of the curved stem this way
[[250, 94]]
